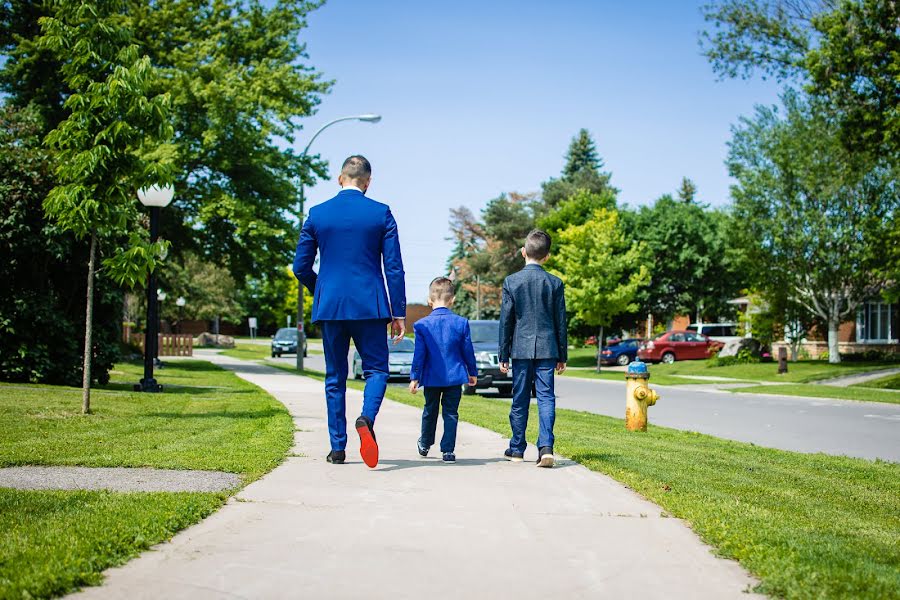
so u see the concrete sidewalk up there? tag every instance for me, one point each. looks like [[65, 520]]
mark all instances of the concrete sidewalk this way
[[417, 528]]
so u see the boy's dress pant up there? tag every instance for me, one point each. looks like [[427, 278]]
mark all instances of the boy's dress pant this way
[[447, 399], [538, 372]]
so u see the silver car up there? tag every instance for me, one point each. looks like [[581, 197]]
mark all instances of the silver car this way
[[399, 360]]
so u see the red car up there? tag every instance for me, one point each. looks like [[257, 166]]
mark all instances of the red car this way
[[677, 345]]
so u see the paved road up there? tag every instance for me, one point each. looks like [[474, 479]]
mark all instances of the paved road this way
[[862, 429], [416, 528]]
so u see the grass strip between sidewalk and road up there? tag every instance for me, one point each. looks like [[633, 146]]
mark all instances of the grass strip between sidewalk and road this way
[[812, 390], [806, 525], [53, 542], [891, 382]]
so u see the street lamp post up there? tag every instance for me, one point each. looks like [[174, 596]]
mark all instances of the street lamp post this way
[[160, 298], [301, 333], [156, 198]]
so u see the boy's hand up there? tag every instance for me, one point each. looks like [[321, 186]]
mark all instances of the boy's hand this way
[[560, 368], [473, 381], [413, 386], [504, 367], [398, 329]]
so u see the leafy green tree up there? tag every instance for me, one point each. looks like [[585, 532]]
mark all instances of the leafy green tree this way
[[582, 171], [209, 291], [507, 220], [273, 299], [40, 315], [601, 269], [577, 210], [239, 82], [688, 248], [106, 146], [812, 215], [845, 51]]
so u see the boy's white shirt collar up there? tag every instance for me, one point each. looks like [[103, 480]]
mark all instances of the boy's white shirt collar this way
[[352, 187]]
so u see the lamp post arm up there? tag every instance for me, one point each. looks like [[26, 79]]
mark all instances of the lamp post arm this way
[[323, 128]]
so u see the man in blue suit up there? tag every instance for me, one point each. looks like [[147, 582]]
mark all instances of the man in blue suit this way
[[354, 236]]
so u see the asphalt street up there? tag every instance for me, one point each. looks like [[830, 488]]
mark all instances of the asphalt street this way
[[861, 429]]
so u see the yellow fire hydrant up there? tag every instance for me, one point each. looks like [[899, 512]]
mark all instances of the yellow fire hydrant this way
[[638, 396]]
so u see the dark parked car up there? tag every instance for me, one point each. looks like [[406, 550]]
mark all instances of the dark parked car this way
[[285, 342], [677, 345], [486, 342], [399, 359], [620, 352]]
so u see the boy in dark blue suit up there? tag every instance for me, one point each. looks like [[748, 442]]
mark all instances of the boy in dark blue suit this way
[[443, 360], [533, 335]]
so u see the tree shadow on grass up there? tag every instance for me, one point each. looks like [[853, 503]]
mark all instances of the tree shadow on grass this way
[[219, 414]]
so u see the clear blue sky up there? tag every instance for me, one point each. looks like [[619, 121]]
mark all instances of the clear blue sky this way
[[480, 98]]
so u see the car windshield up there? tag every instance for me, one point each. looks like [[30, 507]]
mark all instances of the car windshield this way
[[405, 345], [285, 334], [485, 332]]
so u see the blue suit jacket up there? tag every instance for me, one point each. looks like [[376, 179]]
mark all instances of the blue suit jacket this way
[[444, 354], [354, 237]]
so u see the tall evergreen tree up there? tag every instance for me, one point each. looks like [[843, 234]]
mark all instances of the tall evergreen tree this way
[[687, 191], [580, 173], [582, 155]]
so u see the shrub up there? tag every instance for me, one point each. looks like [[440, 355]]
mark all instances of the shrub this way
[[743, 357]]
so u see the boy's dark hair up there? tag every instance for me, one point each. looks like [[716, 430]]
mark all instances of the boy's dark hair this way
[[537, 245], [441, 289], [357, 168]]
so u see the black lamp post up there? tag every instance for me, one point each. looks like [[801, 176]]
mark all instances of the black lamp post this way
[[154, 197]]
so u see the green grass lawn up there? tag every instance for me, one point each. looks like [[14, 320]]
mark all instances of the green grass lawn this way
[[803, 371], [656, 377], [248, 351], [56, 541], [824, 391], [891, 382]]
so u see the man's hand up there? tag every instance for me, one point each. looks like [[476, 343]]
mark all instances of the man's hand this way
[[473, 380], [413, 386], [398, 329], [560, 368], [504, 367]]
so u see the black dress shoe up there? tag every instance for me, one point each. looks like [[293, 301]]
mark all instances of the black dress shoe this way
[[545, 457], [513, 455], [336, 457]]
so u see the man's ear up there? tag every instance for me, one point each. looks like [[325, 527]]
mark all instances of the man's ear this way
[[525, 256], [340, 180]]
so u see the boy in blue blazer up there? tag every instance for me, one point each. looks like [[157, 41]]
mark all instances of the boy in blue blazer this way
[[442, 362]]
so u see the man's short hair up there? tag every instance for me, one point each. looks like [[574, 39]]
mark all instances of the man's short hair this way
[[441, 289], [356, 168], [537, 245]]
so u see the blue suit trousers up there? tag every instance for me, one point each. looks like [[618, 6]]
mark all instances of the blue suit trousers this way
[[370, 338], [525, 372]]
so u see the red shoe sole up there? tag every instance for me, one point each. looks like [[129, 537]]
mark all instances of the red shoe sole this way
[[368, 447]]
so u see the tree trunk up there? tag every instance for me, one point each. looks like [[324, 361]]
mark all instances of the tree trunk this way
[[834, 355], [599, 347], [88, 330]]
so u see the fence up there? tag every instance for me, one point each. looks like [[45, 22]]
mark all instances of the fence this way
[[170, 344]]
